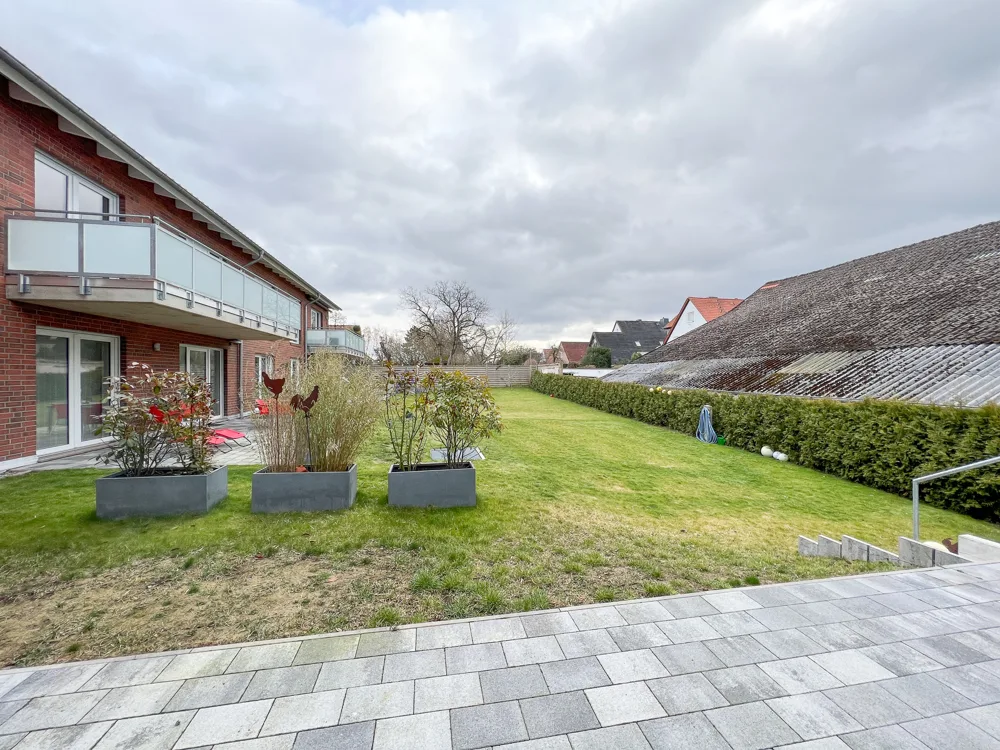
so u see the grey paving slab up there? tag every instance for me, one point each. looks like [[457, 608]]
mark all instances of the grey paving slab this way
[[277, 683], [848, 588], [686, 693], [50, 682], [623, 704], [976, 684], [742, 649], [251, 658], [502, 629], [199, 664], [559, 742], [939, 598], [787, 644], [350, 673], [774, 596], [431, 731], [822, 613], [80, 737], [352, 736], [981, 640], [414, 665], [138, 700], [813, 592], [685, 731], [489, 724], [531, 650], [973, 592], [950, 731], [687, 657], [929, 697], [377, 702], [387, 642], [779, 618], [587, 643], [836, 636], [872, 705], [644, 635], [598, 617], [947, 650], [510, 684], [203, 692], [621, 737], [884, 738], [560, 713], [475, 658], [925, 624], [574, 674], [631, 666], [813, 715], [52, 711], [986, 718], [548, 624], [450, 691], [880, 630], [643, 612], [327, 649], [902, 603], [688, 606], [127, 673], [751, 726], [9, 708], [224, 724], [688, 630], [731, 601], [827, 743], [442, 636], [277, 742], [158, 732], [7, 741], [745, 684], [735, 623], [865, 606], [900, 659], [9, 681], [852, 667], [801, 675], [296, 713]]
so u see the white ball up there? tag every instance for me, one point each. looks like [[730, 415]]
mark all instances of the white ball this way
[[766, 451], [781, 456]]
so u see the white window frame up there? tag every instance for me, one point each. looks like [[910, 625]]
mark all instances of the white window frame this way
[[74, 383], [73, 181], [263, 363], [690, 316], [293, 370], [185, 365], [315, 318]]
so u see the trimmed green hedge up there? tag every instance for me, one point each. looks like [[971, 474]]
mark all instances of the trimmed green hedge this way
[[882, 444]]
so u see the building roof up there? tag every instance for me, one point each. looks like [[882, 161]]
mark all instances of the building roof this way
[[918, 322], [574, 350], [30, 87], [641, 330], [623, 345], [711, 307]]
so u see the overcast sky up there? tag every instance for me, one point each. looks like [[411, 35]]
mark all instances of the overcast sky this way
[[576, 161]]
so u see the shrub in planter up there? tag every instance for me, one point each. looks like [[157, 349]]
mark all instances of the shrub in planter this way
[[154, 418], [459, 411], [309, 443]]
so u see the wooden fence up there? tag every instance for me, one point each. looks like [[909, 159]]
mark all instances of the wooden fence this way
[[498, 376]]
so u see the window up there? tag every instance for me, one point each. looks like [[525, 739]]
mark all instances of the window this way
[[263, 363], [62, 191], [293, 371], [690, 316], [315, 318]]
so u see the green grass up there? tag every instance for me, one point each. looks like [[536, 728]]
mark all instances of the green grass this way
[[574, 506]]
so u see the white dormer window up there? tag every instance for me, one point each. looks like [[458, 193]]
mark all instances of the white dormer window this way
[[638, 344], [63, 192], [690, 316]]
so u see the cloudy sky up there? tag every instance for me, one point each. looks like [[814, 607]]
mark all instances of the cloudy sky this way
[[576, 161]]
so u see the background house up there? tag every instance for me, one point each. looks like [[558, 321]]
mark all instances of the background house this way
[[918, 323], [696, 312], [628, 337], [567, 353]]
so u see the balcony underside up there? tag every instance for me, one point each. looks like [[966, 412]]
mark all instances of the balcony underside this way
[[137, 301]]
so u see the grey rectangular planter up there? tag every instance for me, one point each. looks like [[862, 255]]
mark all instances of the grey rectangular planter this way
[[164, 494], [294, 491], [433, 486]]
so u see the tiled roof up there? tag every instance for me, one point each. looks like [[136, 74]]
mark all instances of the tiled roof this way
[[574, 350], [713, 307]]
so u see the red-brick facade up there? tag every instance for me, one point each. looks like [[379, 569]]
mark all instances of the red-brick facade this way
[[25, 128]]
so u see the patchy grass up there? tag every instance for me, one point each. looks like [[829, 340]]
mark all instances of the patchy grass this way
[[575, 506]]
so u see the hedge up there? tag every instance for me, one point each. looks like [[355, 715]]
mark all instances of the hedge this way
[[882, 444]]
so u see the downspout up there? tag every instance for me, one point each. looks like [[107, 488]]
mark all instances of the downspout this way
[[239, 376]]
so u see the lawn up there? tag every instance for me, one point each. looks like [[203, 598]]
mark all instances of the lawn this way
[[575, 506]]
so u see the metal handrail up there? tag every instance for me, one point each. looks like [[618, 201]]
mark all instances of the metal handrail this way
[[917, 481]]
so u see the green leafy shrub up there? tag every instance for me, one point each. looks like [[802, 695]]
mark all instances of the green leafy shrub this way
[[882, 444], [596, 356], [461, 411]]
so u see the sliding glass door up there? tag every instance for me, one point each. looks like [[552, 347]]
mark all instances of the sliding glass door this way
[[206, 364], [71, 372]]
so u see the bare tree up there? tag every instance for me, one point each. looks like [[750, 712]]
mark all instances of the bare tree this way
[[383, 345], [453, 324]]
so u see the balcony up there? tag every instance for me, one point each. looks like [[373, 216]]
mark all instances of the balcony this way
[[141, 269], [335, 339]]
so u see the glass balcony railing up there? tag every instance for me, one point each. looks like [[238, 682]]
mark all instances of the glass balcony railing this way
[[138, 247], [338, 339]]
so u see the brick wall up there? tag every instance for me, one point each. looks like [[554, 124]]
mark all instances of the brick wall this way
[[23, 129]]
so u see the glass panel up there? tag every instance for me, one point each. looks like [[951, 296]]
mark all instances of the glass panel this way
[[232, 286], [95, 369], [51, 391], [208, 275], [173, 259], [50, 189], [270, 304], [216, 382], [90, 201], [254, 292], [116, 249], [43, 246], [198, 363]]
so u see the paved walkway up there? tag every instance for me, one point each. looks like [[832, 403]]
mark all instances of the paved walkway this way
[[899, 660]]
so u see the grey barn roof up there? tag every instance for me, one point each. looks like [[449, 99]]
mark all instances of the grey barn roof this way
[[919, 323], [632, 336]]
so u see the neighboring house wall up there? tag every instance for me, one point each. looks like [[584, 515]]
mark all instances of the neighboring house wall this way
[[25, 128], [687, 321]]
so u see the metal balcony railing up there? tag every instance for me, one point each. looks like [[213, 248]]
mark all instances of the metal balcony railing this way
[[338, 339]]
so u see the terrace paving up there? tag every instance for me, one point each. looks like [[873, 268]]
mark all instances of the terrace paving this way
[[842, 663]]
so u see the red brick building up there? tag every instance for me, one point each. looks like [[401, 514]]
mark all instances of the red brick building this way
[[108, 261]]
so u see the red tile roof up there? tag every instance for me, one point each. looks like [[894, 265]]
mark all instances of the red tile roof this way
[[574, 350], [713, 307]]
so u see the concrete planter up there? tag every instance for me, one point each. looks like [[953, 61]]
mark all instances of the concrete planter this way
[[433, 486], [164, 494], [303, 491]]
